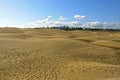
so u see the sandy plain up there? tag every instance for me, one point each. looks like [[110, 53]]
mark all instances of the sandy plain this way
[[49, 54]]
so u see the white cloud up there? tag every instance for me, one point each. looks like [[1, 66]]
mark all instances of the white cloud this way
[[48, 22], [102, 25], [92, 24], [3, 25], [79, 17], [7, 25], [61, 18], [45, 20]]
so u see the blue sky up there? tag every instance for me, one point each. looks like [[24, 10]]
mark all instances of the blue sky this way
[[23, 12]]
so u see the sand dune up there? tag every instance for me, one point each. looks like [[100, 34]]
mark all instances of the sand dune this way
[[49, 54]]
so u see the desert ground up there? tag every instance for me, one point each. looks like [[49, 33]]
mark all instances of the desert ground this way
[[49, 54]]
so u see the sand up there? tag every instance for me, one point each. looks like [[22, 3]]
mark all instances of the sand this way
[[49, 54]]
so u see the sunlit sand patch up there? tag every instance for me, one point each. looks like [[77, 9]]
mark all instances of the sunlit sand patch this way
[[107, 43]]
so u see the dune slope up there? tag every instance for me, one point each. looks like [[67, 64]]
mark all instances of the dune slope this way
[[48, 54]]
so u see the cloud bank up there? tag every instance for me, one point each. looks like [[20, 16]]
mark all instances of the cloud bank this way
[[48, 22], [62, 21]]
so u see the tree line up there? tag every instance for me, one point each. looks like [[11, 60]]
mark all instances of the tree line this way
[[67, 28]]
